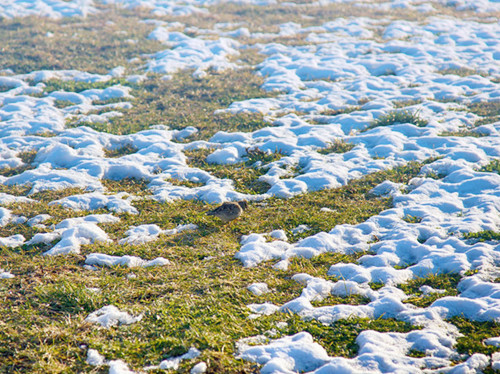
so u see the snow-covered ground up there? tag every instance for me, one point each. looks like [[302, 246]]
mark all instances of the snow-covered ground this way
[[360, 65]]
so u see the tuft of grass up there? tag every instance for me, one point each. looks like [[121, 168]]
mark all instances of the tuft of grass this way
[[492, 167], [339, 338], [416, 354], [482, 236], [318, 266], [26, 157], [473, 335], [463, 133], [61, 104], [50, 195], [412, 219], [398, 116], [489, 111], [461, 72], [376, 285], [185, 183], [244, 176], [323, 117], [78, 86], [255, 155], [405, 103], [138, 187], [337, 146], [119, 152], [436, 176], [446, 282]]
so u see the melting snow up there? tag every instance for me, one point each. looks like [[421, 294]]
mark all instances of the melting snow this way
[[172, 363], [109, 316], [5, 274], [129, 261], [258, 289]]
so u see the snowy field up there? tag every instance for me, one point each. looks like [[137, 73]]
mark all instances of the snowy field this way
[[390, 92]]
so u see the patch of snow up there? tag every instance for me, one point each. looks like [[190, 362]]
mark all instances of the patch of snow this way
[[191, 53], [172, 363], [258, 289], [378, 352], [493, 341], [5, 274], [199, 368], [150, 232], [101, 259], [94, 358], [97, 200], [75, 232], [109, 316], [119, 367], [12, 241]]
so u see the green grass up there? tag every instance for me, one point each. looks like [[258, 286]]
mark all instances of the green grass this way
[[244, 175], [185, 101], [119, 152], [474, 334], [77, 86], [492, 167], [488, 110], [339, 339], [398, 116], [405, 103], [447, 282], [412, 219], [88, 44], [338, 146], [463, 133], [200, 300], [462, 72], [323, 117], [194, 303], [482, 236], [26, 157], [318, 266]]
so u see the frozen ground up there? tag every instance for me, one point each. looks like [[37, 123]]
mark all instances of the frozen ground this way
[[360, 69]]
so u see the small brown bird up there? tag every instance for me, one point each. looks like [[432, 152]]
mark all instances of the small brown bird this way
[[229, 210]]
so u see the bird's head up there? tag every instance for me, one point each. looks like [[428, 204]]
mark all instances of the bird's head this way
[[243, 204]]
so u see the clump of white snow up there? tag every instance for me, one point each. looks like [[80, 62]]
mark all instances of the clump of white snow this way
[[95, 200], [75, 232], [101, 259], [150, 232], [109, 316], [199, 368], [94, 358], [5, 274], [172, 363], [258, 289]]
